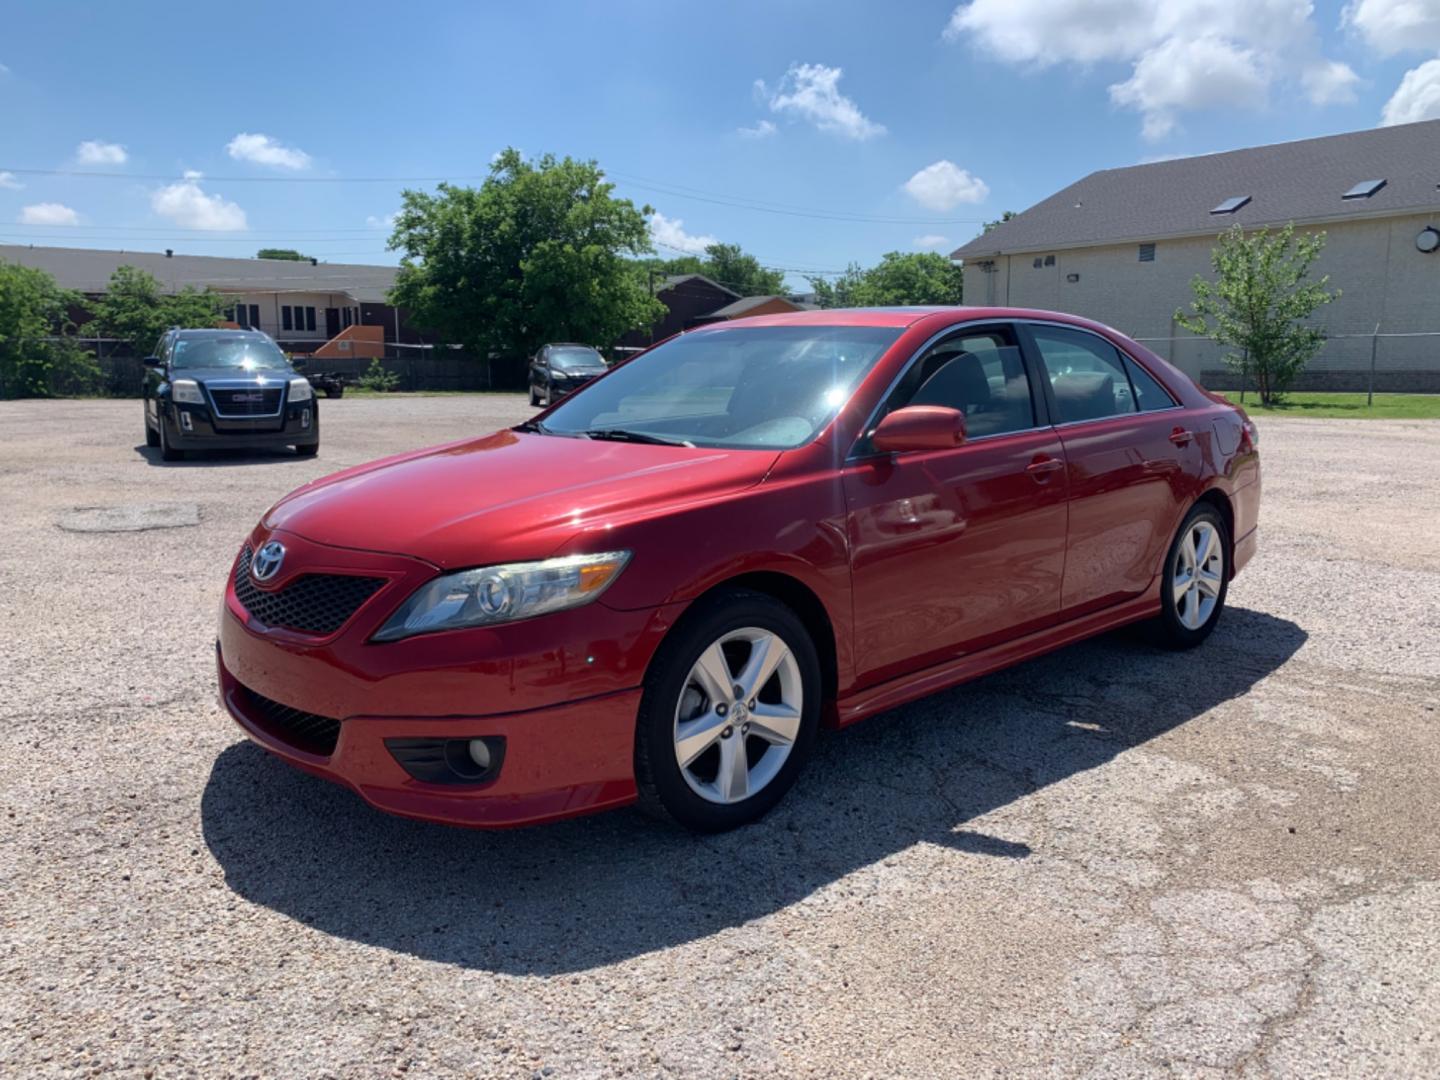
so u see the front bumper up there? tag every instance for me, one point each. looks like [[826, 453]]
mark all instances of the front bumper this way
[[562, 691], [195, 427], [559, 762]]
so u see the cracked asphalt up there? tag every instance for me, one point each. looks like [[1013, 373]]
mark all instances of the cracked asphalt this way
[[1113, 861]]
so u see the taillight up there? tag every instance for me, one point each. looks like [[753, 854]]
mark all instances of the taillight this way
[[1252, 433]]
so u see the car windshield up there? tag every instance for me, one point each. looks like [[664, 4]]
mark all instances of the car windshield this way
[[772, 387], [576, 358], [242, 351]]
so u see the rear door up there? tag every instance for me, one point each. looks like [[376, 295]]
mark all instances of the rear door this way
[[1131, 462], [955, 550]]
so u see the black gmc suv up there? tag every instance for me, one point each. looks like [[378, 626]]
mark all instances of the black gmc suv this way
[[213, 389]]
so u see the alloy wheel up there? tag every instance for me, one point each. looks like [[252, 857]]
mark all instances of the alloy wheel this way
[[1199, 575], [739, 715]]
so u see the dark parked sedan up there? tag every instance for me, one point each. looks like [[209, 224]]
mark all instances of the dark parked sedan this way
[[226, 389], [561, 369]]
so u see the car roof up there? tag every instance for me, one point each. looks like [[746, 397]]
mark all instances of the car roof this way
[[213, 332], [900, 317]]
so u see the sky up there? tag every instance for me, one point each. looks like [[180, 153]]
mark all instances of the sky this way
[[813, 134]]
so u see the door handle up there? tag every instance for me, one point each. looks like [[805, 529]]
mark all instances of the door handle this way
[[1181, 437], [1041, 468]]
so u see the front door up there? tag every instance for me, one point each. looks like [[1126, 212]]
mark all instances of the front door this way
[[1131, 458], [332, 322], [956, 550]]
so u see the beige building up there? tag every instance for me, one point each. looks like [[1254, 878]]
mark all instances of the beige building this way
[[1122, 245]]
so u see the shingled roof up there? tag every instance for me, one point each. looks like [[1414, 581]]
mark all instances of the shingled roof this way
[[1302, 181], [88, 270]]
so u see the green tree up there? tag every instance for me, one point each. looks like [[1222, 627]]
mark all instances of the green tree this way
[[741, 273], [287, 254], [37, 355], [1258, 302], [1004, 217], [135, 310], [541, 251], [899, 278]]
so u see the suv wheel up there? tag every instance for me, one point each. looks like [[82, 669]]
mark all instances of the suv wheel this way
[[168, 452], [152, 437]]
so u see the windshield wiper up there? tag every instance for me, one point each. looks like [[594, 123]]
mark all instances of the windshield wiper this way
[[622, 435], [533, 425]]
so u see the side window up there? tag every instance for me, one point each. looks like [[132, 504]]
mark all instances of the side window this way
[[1148, 392], [1087, 374], [979, 372]]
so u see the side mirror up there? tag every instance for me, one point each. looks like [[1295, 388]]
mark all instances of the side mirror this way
[[151, 361], [920, 427]]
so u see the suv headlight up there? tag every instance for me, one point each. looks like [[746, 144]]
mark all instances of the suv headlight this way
[[490, 595], [300, 390], [188, 391]]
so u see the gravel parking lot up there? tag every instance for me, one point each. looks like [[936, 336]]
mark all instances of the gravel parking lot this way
[[1112, 861]]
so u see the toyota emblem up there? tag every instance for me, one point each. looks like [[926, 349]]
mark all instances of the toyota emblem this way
[[267, 561]]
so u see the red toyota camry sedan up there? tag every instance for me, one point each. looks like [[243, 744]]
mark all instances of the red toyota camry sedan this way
[[659, 588]]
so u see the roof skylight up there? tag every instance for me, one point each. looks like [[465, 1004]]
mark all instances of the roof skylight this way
[[1229, 206], [1364, 189]]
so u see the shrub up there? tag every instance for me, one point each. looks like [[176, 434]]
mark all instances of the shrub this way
[[379, 379]]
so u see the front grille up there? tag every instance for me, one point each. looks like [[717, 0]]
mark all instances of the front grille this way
[[305, 731], [312, 603], [246, 401]]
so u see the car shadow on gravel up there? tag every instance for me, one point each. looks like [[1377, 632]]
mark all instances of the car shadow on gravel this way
[[213, 458], [597, 890]]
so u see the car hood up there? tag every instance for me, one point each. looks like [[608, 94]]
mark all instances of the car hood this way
[[272, 376], [510, 496]]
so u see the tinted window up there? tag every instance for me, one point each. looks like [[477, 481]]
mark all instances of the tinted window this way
[[575, 358], [1087, 374], [248, 352], [770, 387], [1148, 392], [978, 372]]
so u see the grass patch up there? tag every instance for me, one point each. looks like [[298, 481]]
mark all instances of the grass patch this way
[[1346, 406]]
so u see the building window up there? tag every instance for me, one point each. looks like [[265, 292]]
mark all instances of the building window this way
[[1147, 252], [1049, 260], [285, 323], [309, 318], [254, 316]]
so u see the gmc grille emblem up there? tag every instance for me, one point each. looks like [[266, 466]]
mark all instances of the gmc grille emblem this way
[[247, 397]]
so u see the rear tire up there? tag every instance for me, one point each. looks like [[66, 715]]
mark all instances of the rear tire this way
[[730, 777], [534, 398], [1195, 580]]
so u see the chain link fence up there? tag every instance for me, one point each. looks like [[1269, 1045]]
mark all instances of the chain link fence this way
[[1363, 360]]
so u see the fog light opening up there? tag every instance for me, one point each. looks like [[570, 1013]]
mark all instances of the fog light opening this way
[[305, 419], [185, 422]]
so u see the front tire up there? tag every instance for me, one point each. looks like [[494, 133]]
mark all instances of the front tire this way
[[1196, 578], [729, 713], [152, 437], [167, 452]]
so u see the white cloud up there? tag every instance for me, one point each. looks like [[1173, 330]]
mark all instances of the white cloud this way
[[668, 232], [186, 204], [1417, 98], [931, 240], [1185, 54], [944, 186], [263, 150], [1196, 74], [49, 213], [386, 222], [763, 130], [1393, 26], [812, 92], [95, 152], [7, 180], [1329, 82]]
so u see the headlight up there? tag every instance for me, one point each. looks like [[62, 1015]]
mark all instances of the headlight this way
[[300, 390], [501, 594], [186, 390]]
